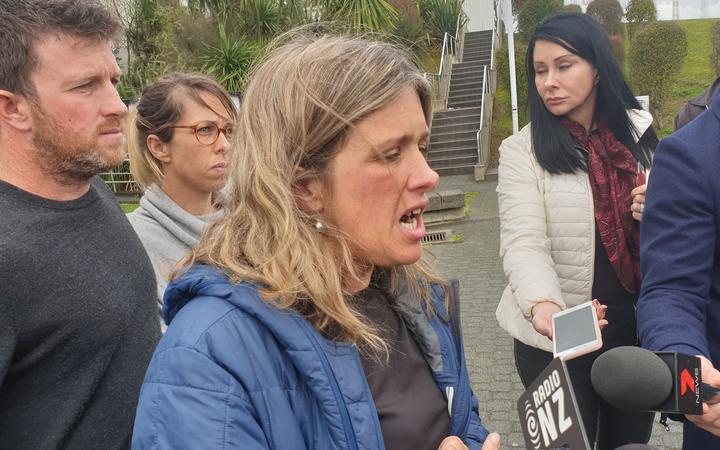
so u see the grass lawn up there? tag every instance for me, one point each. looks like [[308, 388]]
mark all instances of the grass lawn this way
[[695, 77], [129, 207]]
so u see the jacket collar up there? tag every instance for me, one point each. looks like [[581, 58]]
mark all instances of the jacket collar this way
[[716, 106], [641, 120]]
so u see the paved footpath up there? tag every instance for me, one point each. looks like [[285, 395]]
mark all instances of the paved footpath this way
[[474, 260]]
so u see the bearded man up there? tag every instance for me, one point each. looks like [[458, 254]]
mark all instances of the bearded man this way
[[77, 292]]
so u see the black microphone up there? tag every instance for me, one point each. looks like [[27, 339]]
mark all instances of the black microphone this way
[[636, 379]]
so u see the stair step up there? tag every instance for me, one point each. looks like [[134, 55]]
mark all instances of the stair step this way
[[465, 79], [464, 104], [476, 43], [458, 170], [439, 153], [465, 96], [467, 88], [452, 146], [453, 137], [440, 125], [465, 67], [455, 113], [472, 53], [453, 162], [462, 124], [468, 72], [452, 130], [485, 59]]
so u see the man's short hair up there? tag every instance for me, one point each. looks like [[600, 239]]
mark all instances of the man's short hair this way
[[23, 22]]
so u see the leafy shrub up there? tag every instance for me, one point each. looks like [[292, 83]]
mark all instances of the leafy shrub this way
[[638, 14], [230, 61], [440, 17], [573, 8], [410, 32], [715, 47], [608, 13], [502, 62], [533, 12], [657, 54], [617, 42]]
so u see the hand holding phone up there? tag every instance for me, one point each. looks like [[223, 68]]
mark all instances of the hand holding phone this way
[[576, 331]]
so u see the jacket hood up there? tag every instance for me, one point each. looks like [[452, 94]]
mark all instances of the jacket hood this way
[[186, 227], [201, 281]]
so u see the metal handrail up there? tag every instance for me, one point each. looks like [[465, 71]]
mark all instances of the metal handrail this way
[[450, 53], [482, 159]]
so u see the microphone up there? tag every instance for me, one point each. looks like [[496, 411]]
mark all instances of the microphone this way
[[636, 379], [549, 414]]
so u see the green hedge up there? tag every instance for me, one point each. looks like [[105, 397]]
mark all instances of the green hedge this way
[[657, 54], [502, 65], [715, 47], [533, 12], [638, 14], [608, 13]]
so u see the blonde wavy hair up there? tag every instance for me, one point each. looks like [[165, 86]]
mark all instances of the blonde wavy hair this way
[[299, 104], [159, 108]]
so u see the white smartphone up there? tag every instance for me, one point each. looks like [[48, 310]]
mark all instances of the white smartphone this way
[[576, 332]]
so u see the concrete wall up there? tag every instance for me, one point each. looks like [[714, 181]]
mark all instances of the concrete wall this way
[[480, 14]]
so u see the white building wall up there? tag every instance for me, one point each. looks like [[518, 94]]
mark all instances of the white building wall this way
[[480, 14]]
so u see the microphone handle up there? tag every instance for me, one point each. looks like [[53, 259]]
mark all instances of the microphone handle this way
[[709, 394]]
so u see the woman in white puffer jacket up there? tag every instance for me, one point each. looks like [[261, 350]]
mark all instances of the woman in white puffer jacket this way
[[567, 231]]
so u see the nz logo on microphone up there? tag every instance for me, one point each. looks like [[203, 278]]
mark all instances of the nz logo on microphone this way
[[548, 412]]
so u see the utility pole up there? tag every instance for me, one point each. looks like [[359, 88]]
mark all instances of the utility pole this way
[[676, 10]]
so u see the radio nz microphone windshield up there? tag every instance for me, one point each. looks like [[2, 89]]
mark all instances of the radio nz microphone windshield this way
[[635, 379]]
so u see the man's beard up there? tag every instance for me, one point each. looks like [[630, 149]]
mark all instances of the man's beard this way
[[68, 157]]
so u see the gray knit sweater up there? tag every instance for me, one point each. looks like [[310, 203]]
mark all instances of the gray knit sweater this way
[[167, 231]]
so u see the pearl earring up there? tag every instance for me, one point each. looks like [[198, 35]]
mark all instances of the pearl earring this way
[[319, 226]]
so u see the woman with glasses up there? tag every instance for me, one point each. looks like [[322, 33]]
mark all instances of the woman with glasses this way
[[178, 147]]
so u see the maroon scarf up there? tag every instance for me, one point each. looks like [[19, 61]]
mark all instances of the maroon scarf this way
[[612, 170]]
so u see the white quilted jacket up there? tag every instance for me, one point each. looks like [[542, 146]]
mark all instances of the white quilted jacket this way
[[547, 235]]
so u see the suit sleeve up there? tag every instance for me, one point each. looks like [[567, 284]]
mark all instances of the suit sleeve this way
[[524, 243], [189, 402], [678, 234]]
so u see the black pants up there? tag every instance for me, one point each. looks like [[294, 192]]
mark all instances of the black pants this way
[[607, 425]]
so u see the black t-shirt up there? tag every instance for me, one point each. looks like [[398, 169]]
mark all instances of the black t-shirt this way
[[78, 321], [413, 412]]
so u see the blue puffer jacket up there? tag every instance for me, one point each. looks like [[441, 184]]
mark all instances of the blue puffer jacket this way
[[234, 372]]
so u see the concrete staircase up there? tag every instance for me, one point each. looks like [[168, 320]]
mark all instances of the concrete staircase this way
[[453, 137]]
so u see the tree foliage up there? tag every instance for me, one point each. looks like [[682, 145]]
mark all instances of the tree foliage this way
[[503, 76], [656, 58], [372, 15], [715, 47], [533, 12], [638, 14], [608, 13], [440, 17]]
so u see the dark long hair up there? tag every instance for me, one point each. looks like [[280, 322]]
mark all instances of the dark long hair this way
[[554, 147]]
